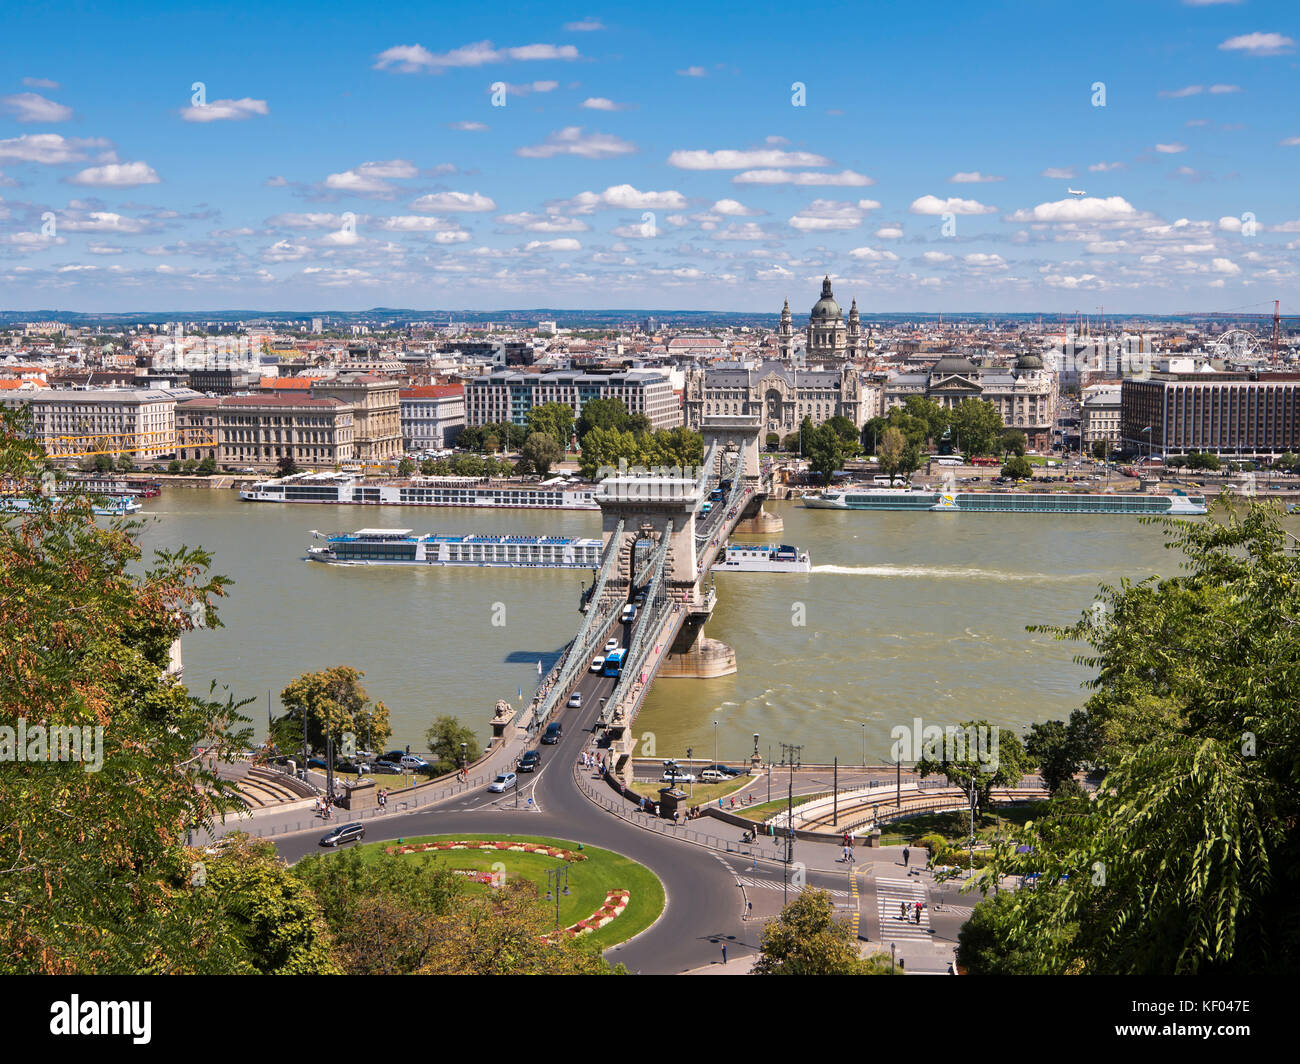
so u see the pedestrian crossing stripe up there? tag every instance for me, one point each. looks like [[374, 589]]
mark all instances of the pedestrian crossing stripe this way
[[853, 890], [891, 895], [776, 884]]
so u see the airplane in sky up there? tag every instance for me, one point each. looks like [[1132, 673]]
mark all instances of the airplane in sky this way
[[1076, 192]]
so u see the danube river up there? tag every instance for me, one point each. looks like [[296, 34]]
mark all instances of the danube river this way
[[904, 615]]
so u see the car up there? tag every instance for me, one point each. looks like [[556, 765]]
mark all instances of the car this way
[[629, 613], [343, 833], [640, 598], [413, 762], [395, 756], [712, 775], [726, 770], [597, 663], [575, 700], [679, 775], [316, 762], [611, 645], [530, 762], [552, 734], [503, 782], [389, 767]]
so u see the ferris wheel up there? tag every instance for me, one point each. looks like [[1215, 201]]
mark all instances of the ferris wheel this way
[[1236, 344]]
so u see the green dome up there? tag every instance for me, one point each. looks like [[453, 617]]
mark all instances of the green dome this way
[[826, 307], [1029, 361]]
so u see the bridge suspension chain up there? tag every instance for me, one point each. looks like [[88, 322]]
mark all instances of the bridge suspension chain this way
[[656, 604]]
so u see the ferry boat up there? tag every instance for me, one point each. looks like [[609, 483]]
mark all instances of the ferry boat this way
[[397, 546], [773, 558], [348, 488], [111, 506], [1018, 502]]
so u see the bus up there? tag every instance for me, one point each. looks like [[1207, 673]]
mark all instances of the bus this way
[[614, 662]]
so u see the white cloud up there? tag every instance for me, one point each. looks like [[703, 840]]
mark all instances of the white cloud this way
[[571, 140], [873, 255], [727, 159], [285, 251], [1178, 94], [743, 231], [1220, 90], [564, 243], [973, 177], [40, 83], [417, 223], [225, 110], [1226, 266], [311, 220], [952, 205], [824, 215], [468, 127], [1289, 142], [1059, 173], [1228, 224], [1085, 209], [936, 257], [48, 148], [117, 175], [586, 25], [693, 72], [371, 179], [889, 232], [1259, 44], [454, 201], [100, 222], [844, 179], [625, 197], [1171, 149], [415, 58], [544, 223], [600, 103], [32, 107], [984, 260], [734, 208], [1102, 168]]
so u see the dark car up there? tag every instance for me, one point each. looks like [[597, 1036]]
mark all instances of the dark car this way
[[726, 770], [343, 833], [552, 734], [390, 767], [316, 762], [531, 761], [395, 756]]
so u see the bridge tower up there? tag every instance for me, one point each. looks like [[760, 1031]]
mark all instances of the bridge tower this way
[[742, 433]]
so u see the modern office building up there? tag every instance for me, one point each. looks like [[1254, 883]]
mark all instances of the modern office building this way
[[258, 431], [780, 393], [508, 395], [432, 416], [1225, 413]]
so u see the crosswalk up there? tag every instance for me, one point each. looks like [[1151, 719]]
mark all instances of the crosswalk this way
[[753, 882], [853, 893], [891, 894]]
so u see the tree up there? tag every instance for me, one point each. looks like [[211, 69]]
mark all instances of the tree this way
[[444, 738], [1101, 450], [125, 464], [977, 426], [933, 416], [1185, 860], [207, 467], [1014, 442], [95, 870], [540, 452], [847, 432], [554, 420], [1059, 749], [806, 939], [103, 463], [890, 454], [826, 451], [173, 466], [602, 413], [286, 466], [975, 749], [334, 702], [406, 467], [1018, 468]]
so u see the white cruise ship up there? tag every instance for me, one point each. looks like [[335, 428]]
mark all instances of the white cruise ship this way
[[773, 558], [398, 546], [349, 488]]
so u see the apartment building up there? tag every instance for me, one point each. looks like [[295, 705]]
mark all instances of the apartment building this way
[[1225, 413], [71, 423], [1099, 416], [377, 412]]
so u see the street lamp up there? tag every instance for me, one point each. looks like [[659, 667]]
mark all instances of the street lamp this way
[[464, 762], [554, 877], [864, 744], [691, 761], [715, 742]]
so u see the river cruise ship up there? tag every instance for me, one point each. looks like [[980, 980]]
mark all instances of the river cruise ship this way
[[1016, 502], [398, 546], [773, 558], [101, 506], [349, 488]]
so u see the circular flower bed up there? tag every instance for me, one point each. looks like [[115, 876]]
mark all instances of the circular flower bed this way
[[500, 844], [615, 902]]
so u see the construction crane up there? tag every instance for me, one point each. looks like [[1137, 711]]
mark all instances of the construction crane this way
[[164, 441]]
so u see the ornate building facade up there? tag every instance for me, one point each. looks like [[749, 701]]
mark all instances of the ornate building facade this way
[[781, 394], [827, 337]]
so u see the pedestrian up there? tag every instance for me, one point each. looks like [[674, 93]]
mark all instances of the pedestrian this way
[[675, 818], [902, 910], [724, 954], [918, 912], [853, 839], [733, 801], [906, 856]]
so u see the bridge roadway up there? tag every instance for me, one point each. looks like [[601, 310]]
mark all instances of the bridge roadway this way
[[705, 904]]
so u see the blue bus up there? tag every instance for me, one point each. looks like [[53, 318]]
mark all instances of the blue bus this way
[[614, 662]]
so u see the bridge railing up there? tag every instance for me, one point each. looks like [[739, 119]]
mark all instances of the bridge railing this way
[[652, 614]]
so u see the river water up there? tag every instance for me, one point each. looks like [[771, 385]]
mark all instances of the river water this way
[[904, 615]]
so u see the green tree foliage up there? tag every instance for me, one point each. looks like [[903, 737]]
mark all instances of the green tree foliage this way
[[605, 448], [1186, 861], [406, 467], [94, 868], [846, 431], [540, 452], [806, 939], [603, 414], [1018, 468], [554, 420], [332, 699], [889, 455], [1060, 749], [1013, 442], [1101, 450], [286, 466], [826, 451], [272, 914], [977, 427], [444, 738], [966, 758]]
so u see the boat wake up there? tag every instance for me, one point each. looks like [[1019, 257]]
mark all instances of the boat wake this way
[[940, 572]]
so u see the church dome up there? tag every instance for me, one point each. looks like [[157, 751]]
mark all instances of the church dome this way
[[1029, 361], [826, 308]]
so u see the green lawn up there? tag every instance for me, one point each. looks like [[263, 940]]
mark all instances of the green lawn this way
[[589, 880], [777, 805], [703, 794], [950, 824]]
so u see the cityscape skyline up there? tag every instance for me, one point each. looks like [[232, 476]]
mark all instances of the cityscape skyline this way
[[333, 163]]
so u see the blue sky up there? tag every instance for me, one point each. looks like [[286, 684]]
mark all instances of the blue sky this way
[[336, 157]]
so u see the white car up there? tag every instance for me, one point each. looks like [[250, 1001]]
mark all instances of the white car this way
[[575, 700], [681, 776], [597, 663], [712, 775], [611, 645], [503, 782]]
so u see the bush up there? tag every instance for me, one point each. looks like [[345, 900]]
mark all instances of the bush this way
[[933, 842]]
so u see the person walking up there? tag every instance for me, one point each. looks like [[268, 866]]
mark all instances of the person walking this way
[[902, 910], [918, 912], [724, 954], [907, 853]]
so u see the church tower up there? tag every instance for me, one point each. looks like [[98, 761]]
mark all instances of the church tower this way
[[785, 334], [853, 338], [826, 333]]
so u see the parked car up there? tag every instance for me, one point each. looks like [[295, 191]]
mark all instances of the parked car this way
[[712, 775], [391, 768], [575, 700], [679, 775], [597, 663], [413, 762], [343, 833], [552, 734], [316, 762], [531, 761], [503, 782], [395, 756], [726, 770]]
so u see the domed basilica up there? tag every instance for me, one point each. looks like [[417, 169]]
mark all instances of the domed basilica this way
[[828, 337]]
